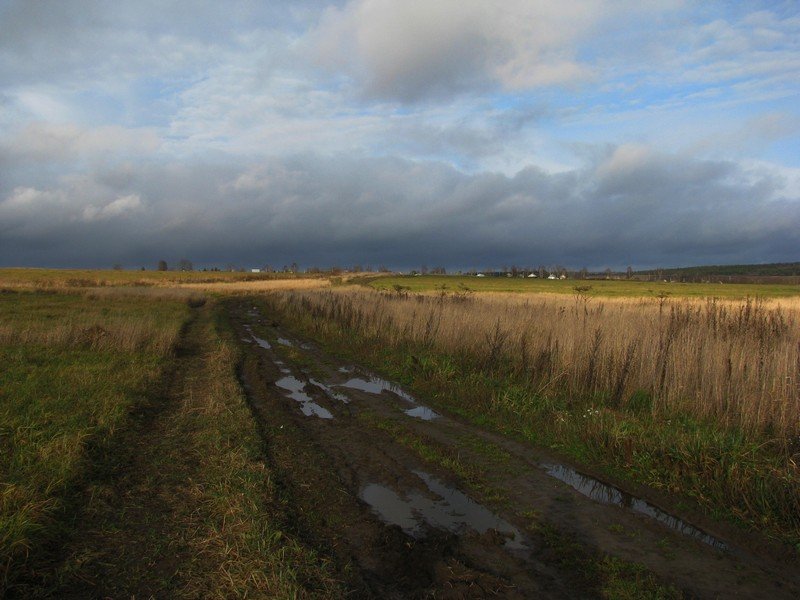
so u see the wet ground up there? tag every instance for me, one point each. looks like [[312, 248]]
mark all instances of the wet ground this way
[[402, 523]]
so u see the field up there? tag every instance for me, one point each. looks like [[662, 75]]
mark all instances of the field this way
[[109, 390], [689, 396], [180, 434], [600, 288]]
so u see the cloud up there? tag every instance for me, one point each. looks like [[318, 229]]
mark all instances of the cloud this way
[[631, 205], [46, 142], [115, 208], [415, 49]]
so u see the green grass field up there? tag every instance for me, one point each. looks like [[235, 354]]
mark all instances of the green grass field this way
[[80, 278], [89, 482], [605, 288]]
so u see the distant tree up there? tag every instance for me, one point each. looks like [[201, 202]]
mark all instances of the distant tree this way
[[423, 269], [185, 264], [295, 268], [117, 267], [628, 272], [162, 265], [583, 273], [608, 273]]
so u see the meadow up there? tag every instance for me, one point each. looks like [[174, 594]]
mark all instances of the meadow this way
[[696, 394], [84, 374], [73, 366], [598, 287], [61, 279], [699, 397]]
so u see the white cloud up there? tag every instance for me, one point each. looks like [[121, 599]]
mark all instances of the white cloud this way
[[43, 141], [418, 49], [116, 208]]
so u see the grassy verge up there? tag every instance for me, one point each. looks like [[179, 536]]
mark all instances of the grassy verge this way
[[130, 462], [731, 468], [72, 370]]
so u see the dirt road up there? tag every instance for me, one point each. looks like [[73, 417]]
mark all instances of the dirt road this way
[[413, 502]]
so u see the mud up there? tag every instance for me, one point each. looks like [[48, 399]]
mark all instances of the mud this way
[[400, 526]]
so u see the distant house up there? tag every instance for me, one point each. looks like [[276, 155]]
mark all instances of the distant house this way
[[480, 275], [552, 276], [563, 276], [532, 275], [255, 270]]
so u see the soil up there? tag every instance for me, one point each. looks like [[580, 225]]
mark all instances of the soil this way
[[400, 525]]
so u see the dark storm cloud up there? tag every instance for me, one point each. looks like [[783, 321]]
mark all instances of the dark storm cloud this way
[[631, 206]]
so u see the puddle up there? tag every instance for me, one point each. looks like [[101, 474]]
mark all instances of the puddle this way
[[376, 385], [453, 511], [307, 405], [246, 340], [285, 342], [306, 346], [331, 392], [261, 342], [607, 494], [422, 412]]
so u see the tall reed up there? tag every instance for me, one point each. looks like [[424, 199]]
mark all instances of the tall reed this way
[[736, 362]]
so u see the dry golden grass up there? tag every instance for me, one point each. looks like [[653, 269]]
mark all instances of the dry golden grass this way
[[697, 397], [736, 362], [268, 285]]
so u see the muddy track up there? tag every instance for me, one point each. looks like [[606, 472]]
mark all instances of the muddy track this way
[[476, 518]]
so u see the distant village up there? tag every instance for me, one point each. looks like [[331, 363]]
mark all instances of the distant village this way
[[766, 273]]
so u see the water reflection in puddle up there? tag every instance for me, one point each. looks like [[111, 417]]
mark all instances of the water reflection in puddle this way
[[607, 494], [453, 511], [285, 342], [422, 412], [307, 405], [261, 342], [376, 385], [331, 392]]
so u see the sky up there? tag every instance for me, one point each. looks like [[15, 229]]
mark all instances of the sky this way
[[399, 133]]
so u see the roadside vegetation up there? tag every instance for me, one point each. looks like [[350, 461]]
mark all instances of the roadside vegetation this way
[[129, 460], [73, 367], [695, 397]]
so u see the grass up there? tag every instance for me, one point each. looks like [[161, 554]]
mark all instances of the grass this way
[[131, 467], [459, 284], [696, 398], [72, 370], [86, 278]]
